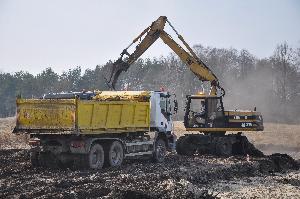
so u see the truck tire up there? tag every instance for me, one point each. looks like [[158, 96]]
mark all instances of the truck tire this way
[[96, 157], [160, 150], [115, 154]]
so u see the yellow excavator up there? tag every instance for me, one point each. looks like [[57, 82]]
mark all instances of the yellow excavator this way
[[204, 113]]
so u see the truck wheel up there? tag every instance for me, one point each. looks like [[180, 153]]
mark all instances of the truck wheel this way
[[96, 157], [34, 159], [115, 155], [159, 153]]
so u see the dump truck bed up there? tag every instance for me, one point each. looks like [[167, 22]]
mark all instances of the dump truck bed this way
[[81, 116]]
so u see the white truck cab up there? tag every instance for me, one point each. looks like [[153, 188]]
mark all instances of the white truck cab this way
[[161, 111]]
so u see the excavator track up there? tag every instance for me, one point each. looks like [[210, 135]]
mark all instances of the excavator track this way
[[219, 145]]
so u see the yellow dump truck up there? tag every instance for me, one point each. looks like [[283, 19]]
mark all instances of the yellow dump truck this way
[[96, 128]]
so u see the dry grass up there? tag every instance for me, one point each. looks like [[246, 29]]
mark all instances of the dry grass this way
[[279, 134], [277, 138], [8, 140]]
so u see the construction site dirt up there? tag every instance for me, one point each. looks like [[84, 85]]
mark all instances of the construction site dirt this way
[[272, 176]]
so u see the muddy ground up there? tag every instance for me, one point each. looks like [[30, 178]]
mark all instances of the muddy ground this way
[[275, 176], [177, 177]]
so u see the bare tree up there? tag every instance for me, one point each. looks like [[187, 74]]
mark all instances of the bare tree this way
[[246, 63], [285, 73]]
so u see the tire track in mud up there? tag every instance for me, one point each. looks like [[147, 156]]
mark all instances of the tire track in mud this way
[[177, 177]]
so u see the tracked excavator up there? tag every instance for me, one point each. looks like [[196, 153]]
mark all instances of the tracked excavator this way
[[204, 113]]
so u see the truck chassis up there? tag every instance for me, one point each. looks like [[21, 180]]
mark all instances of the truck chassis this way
[[96, 151]]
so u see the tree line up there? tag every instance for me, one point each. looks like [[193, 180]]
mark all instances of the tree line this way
[[271, 84]]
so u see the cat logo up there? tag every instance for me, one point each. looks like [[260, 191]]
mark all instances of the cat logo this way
[[247, 124]]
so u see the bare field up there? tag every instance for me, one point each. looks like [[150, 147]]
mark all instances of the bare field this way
[[277, 138], [9, 140], [177, 177]]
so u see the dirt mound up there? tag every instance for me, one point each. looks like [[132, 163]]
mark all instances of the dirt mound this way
[[278, 163], [283, 162]]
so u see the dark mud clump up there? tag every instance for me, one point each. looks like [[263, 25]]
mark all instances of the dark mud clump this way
[[278, 162], [283, 162]]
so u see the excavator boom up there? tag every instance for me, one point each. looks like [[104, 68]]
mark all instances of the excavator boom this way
[[152, 33]]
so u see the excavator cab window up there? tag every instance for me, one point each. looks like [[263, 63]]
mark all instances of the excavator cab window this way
[[215, 112], [197, 112], [204, 112]]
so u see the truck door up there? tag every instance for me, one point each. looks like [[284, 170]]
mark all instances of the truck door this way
[[165, 106]]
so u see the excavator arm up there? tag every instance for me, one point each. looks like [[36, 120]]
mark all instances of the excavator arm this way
[[152, 33]]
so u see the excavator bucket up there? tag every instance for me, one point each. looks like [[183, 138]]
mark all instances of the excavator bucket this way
[[117, 68]]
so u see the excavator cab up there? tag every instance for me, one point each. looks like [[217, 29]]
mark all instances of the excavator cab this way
[[204, 111]]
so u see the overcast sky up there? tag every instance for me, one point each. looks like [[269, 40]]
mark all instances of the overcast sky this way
[[35, 34]]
